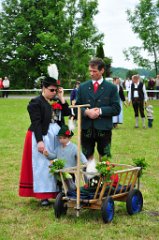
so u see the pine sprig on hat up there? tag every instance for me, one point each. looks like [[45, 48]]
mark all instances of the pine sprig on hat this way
[[64, 131]]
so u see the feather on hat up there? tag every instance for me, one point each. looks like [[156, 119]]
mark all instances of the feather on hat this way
[[53, 73]]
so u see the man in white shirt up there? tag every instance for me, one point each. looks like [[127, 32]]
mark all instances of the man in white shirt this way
[[138, 96], [128, 85]]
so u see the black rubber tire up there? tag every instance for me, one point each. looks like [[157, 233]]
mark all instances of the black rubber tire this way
[[107, 210], [134, 202], [60, 206]]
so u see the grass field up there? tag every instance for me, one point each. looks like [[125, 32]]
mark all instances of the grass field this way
[[23, 218]]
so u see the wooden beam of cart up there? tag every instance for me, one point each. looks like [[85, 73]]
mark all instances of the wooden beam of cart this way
[[78, 152]]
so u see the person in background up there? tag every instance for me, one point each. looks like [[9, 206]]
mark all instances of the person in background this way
[[46, 113], [73, 95], [119, 118], [149, 110], [1, 86], [157, 87], [97, 122], [151, 87], [6, 85], [138, 96], [128, 85]]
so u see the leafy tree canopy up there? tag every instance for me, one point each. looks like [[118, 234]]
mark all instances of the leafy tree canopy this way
[[145, 23], [35, 33]]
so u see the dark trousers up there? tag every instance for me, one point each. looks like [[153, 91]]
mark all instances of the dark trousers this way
[[150, 121], [92, 136], [157, 94], [5, 93], [138, 106]]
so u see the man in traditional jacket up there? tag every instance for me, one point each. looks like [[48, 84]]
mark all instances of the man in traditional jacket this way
[[138, 96], [97, 123]]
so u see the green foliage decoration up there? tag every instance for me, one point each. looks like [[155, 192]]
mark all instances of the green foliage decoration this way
[[140, 162], [58, 164]]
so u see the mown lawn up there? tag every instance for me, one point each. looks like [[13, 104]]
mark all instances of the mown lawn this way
[[23, 218]]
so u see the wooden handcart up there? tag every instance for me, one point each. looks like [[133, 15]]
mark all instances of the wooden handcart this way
[[103, 194]]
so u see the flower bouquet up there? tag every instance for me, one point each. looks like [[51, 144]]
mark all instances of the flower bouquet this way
[[105, 168], [56, 106]]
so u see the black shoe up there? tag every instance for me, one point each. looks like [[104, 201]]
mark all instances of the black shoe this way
[[45, 202]]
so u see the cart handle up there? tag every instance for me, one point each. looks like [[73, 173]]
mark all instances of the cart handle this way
[[79, 106]]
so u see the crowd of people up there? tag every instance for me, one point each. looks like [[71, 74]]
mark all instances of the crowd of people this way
[[136, 94], [152, 87]]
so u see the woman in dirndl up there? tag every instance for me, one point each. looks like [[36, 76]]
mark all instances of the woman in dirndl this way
[[119, 118], [46, 119]]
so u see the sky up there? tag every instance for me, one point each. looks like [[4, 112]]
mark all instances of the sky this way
[[112, 21]]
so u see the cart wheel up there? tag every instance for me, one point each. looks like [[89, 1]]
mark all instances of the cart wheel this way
[[60, 206], [107, 209], [134, 202]]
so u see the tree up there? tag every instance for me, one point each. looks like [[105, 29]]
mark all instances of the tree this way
[[34, 33], [130, 73], [24, 25], [82, 38], [100, 51], [108, 61], [145, 23]]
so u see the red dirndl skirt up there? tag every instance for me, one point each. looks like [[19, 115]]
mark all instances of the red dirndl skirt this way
[[26, 175]]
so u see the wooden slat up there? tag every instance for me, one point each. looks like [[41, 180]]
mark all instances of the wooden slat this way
[[63, 183], [98, 187]]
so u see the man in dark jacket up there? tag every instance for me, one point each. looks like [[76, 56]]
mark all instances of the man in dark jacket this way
[[97, 120]]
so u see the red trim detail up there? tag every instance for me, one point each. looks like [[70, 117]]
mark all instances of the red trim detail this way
[[26, 175]]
